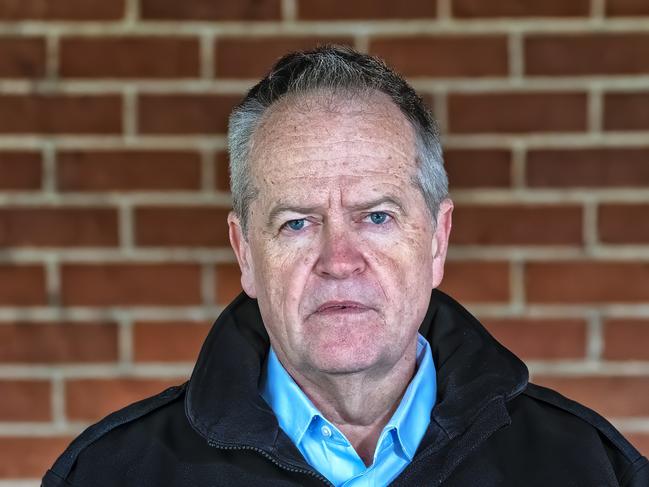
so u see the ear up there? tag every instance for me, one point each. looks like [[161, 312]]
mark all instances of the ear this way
[[440, 240], [241, 249]]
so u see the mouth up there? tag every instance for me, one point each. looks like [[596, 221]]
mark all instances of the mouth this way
[[347, 307]]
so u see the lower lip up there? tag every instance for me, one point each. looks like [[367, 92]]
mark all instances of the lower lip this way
[[347, 311]]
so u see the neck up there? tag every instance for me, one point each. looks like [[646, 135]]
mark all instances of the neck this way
[[360, 404]]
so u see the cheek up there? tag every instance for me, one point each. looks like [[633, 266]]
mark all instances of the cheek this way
[[402, 266], [290, 265]]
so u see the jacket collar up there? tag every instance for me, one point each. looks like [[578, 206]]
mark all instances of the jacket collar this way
[[223, 403]]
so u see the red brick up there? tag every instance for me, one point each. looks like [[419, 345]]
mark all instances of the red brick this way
[[640, 441], [591, 167], [222, 172], [128, 170], [517, 225], [22, 285], [366, 9], [129, 57], [20, 170], [29, 457], [61, 114], [61, 10], [195, 226], [211, 10], [253, 57], [228, 283], [130, 284], [626, 339], [616, 8], [517, 112], [626, 111], [25, 400], [556, 55], [28, 342], [477, 281], [623, 224], [185, 114], [478, 168], [22, 57], [168, 342], [92, 399], [587, 282], [58, 227], [536, 339], [611, 396], [518, 8], [445, 56]]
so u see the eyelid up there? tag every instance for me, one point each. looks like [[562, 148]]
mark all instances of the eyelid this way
[[284, 225], [387, 212]]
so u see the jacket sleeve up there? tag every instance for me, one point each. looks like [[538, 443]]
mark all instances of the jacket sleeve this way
[[638, 474], [59, 473], [51, 479]]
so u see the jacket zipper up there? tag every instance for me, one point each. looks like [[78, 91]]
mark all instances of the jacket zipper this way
[[266, 455]]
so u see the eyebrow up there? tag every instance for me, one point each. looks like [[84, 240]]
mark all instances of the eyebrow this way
[[282, 208]]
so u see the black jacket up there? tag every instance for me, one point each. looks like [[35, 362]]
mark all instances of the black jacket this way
[[489, 427]]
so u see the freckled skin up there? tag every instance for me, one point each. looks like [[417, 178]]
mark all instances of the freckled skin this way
[[333, 158]]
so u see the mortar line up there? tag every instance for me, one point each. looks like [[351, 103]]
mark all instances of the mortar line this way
[[516, 57], [517, 284], [362, 43], [595, 338], [125, 342], [440, 111], [132, 13], [52, 48], [443, 24], [595, 109], [126, 227], [58, 401], [289, 9], [208, 170], [444, 10], [217, 142], [589, 228], [208, 289], [519, 155], [237, 87], [52, 280], [597, 9], [49, 181], [207, 56], [129, 112]]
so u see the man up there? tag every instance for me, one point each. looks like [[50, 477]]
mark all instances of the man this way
[[341, 364]]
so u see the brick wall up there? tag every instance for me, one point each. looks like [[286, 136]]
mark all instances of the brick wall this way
[[114, 257]]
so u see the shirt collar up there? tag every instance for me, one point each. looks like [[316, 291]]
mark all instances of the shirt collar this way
[[295, 412], [411, 418]]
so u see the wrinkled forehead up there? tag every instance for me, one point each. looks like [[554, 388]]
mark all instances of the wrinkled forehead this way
[[332, 135]]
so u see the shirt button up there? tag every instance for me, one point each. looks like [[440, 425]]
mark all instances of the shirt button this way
[[326, 431]]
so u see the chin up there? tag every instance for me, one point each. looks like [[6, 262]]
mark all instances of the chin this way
[[346, 358]]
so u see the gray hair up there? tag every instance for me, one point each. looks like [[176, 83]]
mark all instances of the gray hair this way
[[334, 69]]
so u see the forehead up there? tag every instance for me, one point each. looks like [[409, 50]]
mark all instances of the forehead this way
[[329, 137]]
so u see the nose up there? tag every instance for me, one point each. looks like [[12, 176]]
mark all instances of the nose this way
[[340, 254]]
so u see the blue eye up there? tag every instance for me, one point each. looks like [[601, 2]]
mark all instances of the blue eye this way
[[378, 217], [295, 224]]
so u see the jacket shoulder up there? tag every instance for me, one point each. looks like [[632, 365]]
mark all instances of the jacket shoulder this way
[[631, 468], [57, 475]]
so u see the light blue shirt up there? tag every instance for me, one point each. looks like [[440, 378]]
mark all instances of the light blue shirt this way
[[327, 450]]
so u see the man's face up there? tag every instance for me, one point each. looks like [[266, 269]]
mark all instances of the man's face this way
[[342, 253]]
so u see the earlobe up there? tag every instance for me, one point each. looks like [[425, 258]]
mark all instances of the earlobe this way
[[241, 250], [441, 236]]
